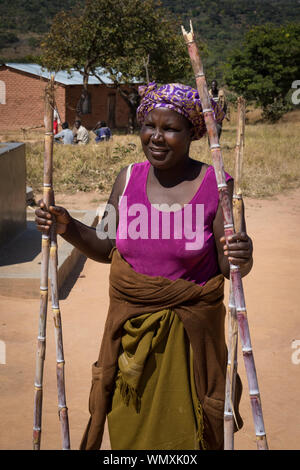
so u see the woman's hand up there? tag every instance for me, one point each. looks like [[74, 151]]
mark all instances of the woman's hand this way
[[239, 248], [44, 218]]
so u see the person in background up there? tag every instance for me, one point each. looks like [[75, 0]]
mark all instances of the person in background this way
[[56, 121], [81, 134], [55, 126], [65, 136], [218, 96], [102, 132]]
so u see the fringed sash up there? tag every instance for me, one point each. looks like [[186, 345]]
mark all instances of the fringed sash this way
[[155, 398]]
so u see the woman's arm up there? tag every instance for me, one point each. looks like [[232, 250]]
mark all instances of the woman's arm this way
[[81, 236], [238, 250]]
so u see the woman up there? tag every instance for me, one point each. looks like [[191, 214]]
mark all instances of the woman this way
[[160, 375]]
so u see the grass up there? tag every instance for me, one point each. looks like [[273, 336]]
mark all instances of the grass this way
[[271, 161], [93, 167], [271, 156]]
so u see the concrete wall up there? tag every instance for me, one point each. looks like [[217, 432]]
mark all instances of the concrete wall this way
[[22, 102], [12, 190]]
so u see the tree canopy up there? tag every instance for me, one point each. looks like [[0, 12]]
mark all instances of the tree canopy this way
[[220, 23], [120, 37], [265, 68], [117, 36]]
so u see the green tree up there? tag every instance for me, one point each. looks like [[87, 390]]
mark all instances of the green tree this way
[[119, 37], [263, 71]]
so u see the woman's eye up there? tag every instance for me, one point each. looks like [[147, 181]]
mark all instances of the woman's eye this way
[[149, 125]]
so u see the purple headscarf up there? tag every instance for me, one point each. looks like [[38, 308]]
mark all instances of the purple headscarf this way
[[180, 98]]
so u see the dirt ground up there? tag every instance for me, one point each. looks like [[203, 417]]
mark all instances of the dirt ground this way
[[273, 297]]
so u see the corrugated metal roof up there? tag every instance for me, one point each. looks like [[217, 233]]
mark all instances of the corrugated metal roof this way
[[66, 78]]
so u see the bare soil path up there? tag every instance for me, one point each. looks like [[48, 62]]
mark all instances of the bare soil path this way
[[273, 298]]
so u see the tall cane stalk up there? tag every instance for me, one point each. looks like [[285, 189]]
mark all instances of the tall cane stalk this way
[[229, 416], [236, 278], [49, 257]]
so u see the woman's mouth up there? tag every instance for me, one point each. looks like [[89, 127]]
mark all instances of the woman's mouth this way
[[158, 152]]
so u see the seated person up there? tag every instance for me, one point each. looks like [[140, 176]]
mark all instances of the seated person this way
[[102, 132], [65, 136], [81, 134]]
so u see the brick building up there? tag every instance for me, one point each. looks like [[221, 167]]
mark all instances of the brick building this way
[[22, 98]]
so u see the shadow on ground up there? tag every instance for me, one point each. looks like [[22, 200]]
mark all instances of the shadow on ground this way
[[71, 279], [23, 248]]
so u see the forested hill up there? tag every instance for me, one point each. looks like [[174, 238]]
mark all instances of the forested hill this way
[[230, 16], [21, 16], [220, 23], [221, 16]]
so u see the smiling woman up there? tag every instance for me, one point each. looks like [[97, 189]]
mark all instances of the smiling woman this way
[[166, 137], [160, 374]]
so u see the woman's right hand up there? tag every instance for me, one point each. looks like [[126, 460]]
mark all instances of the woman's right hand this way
[[43, 218]]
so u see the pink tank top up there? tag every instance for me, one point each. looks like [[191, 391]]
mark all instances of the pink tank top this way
[[178, 244]]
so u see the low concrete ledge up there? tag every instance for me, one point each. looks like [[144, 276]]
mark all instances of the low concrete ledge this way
[[68, 256], [20, 260]]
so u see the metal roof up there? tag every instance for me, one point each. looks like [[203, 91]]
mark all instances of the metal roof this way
[[64, 77]]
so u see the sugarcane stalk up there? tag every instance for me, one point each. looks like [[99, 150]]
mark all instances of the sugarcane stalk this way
[[229, 415], [48, 200], [41, 346], [231, 372], [60, 362], [49, 257], [236, 278]]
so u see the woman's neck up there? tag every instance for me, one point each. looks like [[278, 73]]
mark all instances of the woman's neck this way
[[188, 169]]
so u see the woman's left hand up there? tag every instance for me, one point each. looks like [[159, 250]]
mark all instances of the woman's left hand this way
[[239, 248]]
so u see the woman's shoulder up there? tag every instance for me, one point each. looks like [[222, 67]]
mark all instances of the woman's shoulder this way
[[144, 164], [209, 171], [124, 175]]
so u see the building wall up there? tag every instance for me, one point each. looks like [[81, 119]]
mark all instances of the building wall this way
[[24, 100], [99, 106], [12, 191]]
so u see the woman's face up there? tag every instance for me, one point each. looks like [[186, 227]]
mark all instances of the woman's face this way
[[166, 137]]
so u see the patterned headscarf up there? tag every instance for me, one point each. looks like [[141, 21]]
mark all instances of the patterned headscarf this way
[[180, 98]]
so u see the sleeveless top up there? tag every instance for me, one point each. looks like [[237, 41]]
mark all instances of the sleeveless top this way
[[175, 244]]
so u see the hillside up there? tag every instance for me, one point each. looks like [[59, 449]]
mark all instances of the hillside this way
[[221, 24], [23, 23]]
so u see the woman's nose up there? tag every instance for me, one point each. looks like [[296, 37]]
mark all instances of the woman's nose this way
[[157, 135]]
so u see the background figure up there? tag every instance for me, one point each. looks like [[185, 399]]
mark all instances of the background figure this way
[[84, 105], [55, 126], [65, 136], [102, 132], [132, 99], [81, 134], [56, 121], [219, 97]]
